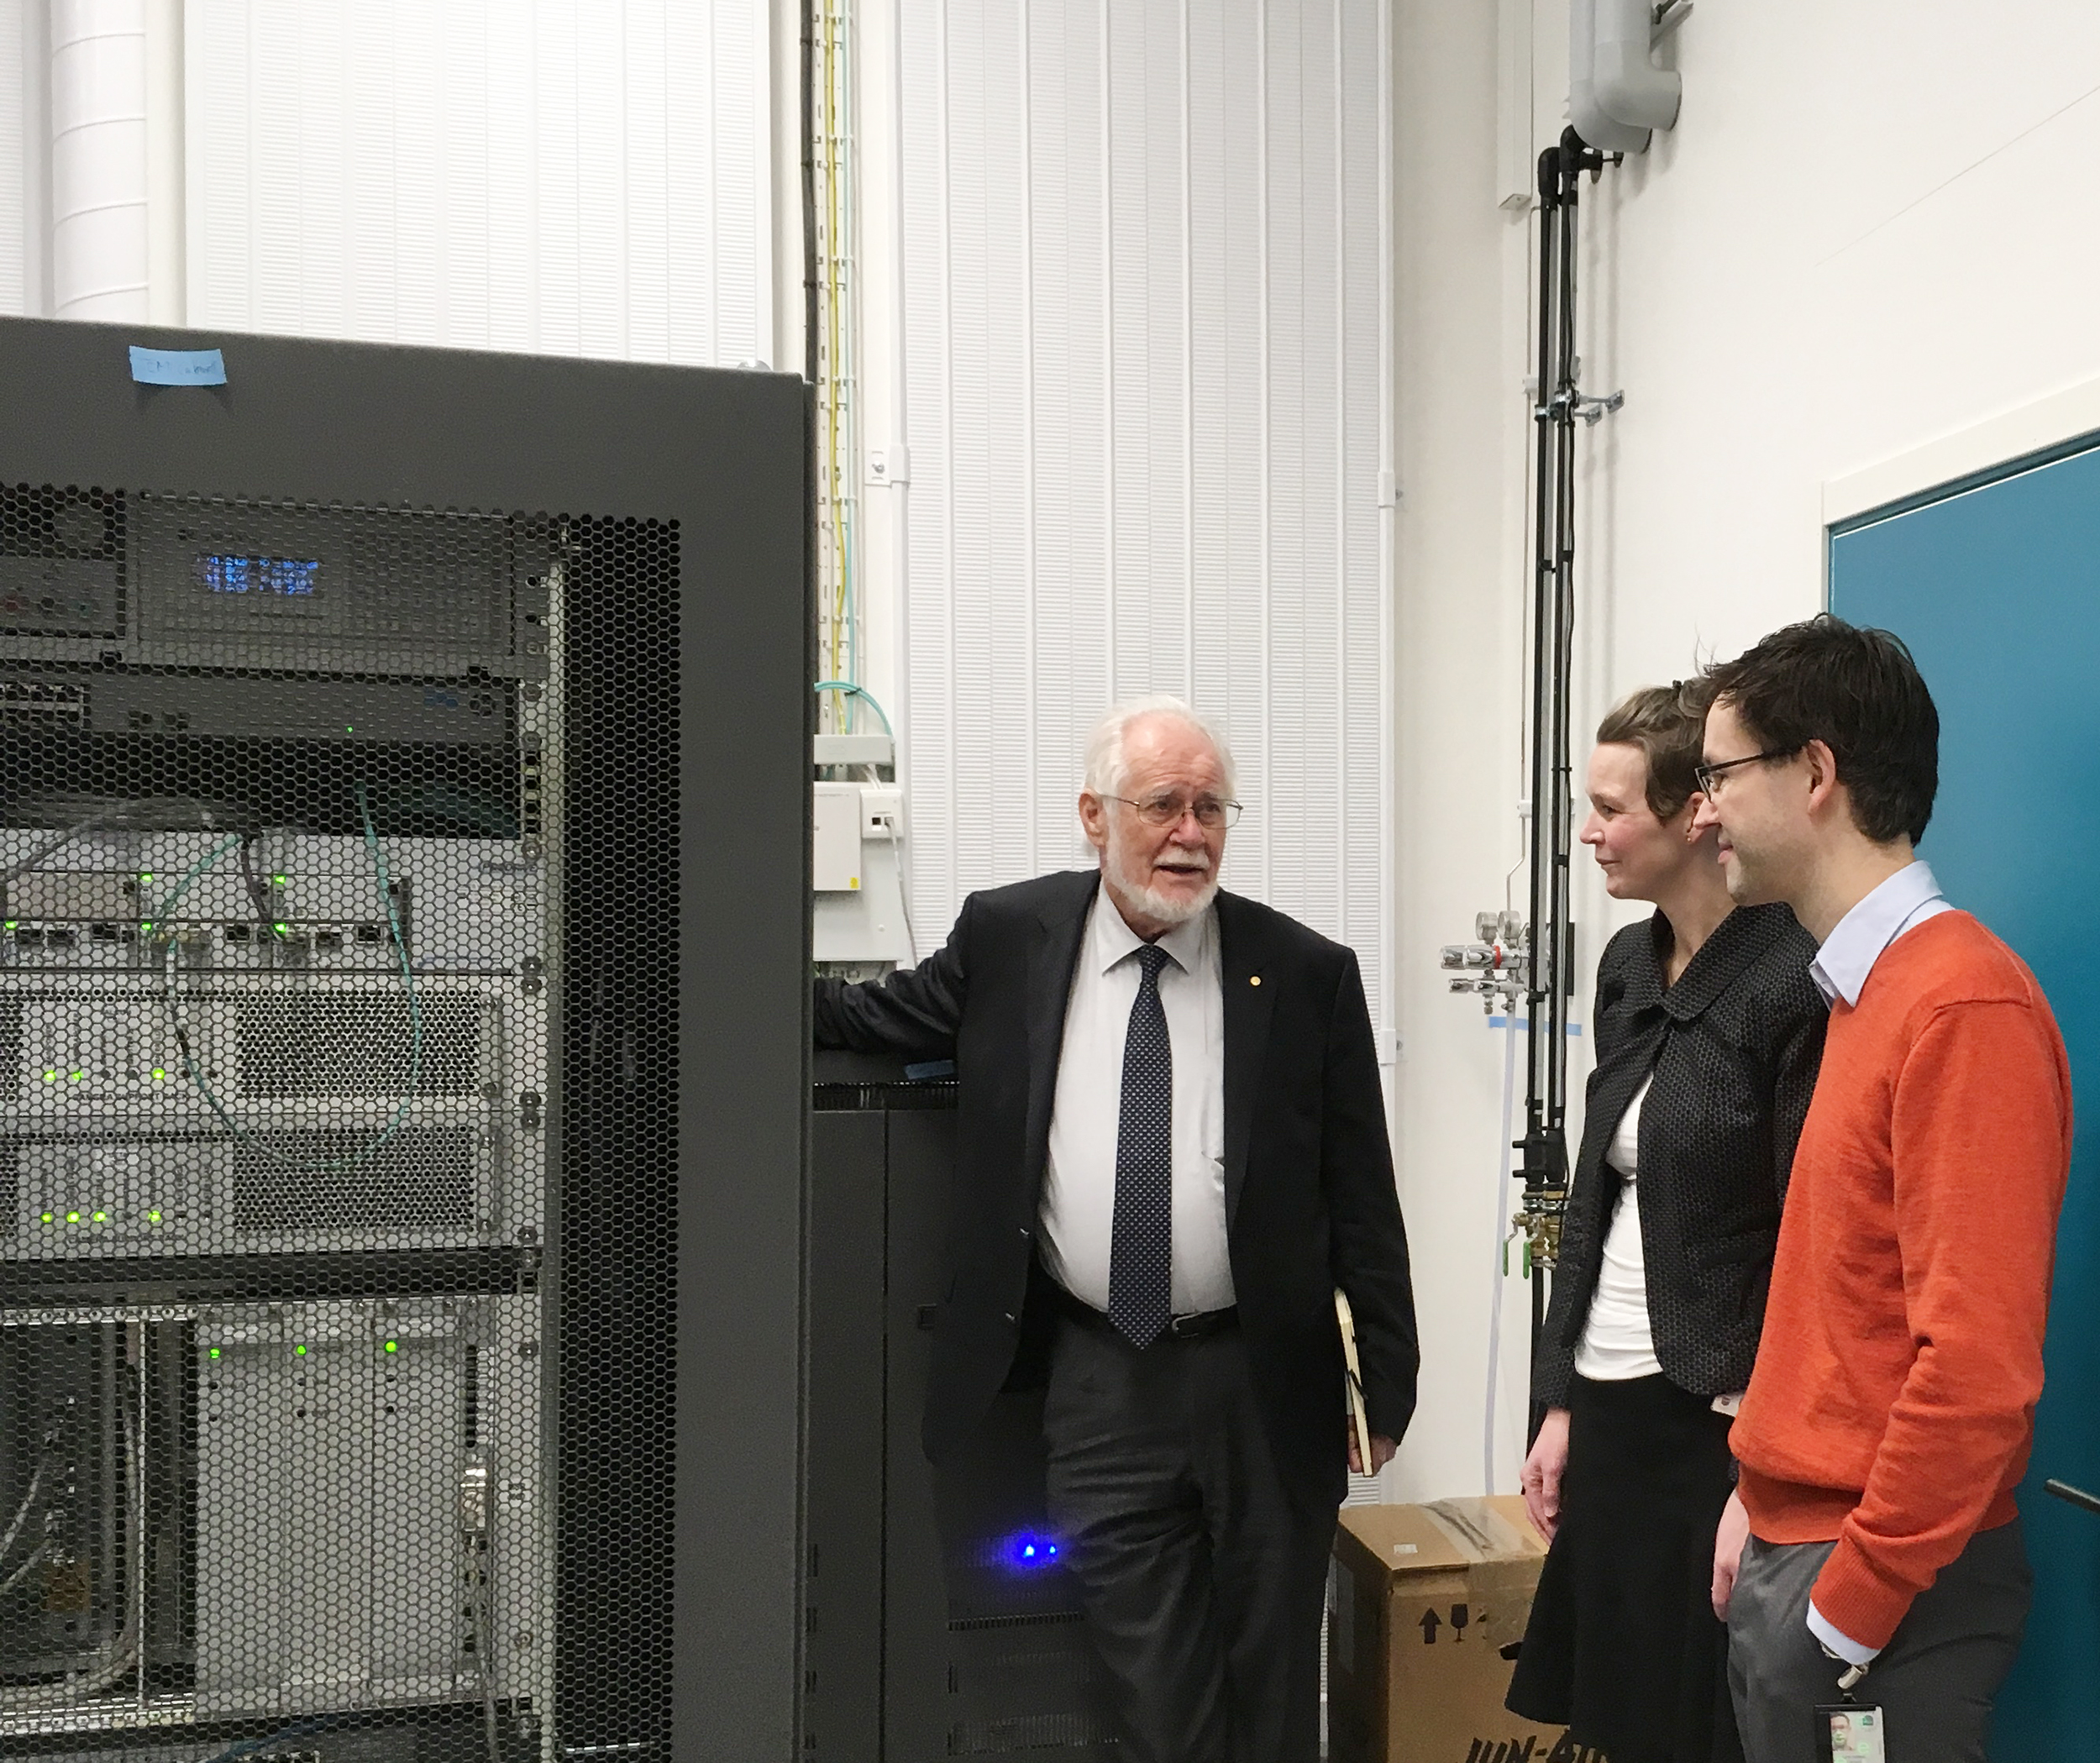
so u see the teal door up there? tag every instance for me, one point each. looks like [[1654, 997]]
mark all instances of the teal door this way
[[1997, 589]]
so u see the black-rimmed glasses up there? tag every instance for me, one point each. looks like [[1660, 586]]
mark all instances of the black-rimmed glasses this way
[[1709, 776]]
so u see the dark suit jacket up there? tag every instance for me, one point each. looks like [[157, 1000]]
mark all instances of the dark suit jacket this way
[[1310, 1197], [1735, 1046]]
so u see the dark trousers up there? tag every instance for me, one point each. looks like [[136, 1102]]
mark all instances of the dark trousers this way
[[1934, 1681], [1203, 1586]]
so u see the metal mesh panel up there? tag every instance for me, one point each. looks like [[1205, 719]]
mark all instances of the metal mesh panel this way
[[424, 1179], [298, 967]]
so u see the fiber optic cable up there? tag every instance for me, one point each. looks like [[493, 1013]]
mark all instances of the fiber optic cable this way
[[859, 691], [189, 880]]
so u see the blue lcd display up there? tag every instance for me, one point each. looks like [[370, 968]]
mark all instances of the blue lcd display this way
[[286, 577]]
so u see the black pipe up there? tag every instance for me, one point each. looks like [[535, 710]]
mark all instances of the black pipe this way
[[1543, 1169], [1543, 600]]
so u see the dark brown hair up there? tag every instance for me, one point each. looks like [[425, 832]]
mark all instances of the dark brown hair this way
[[1668, 723], [1858, 691]]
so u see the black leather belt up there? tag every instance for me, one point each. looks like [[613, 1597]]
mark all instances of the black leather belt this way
[[1192, 1327]]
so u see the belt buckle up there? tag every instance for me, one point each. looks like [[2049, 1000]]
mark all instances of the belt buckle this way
[[1183, 1328]]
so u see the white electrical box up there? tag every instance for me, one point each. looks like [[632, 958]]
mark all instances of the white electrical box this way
[[837, 866], [862, 920]]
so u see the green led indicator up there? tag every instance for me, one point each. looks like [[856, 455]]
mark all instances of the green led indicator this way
[[145, 875], [153, 1217], [78, 1075], [100, 1218], [13, 922], [51, 1076], [282, 928], [145, 924], [281, 879], [48, 1217], [301, 1350], [214, 1352], [159, 1074], [72, 1218], [393, 1346], [349, 729]]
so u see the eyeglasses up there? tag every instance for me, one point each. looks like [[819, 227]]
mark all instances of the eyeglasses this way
[[1709, 776], [1167, 810]]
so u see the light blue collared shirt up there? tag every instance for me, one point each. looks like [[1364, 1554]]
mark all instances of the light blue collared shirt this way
[[1840, 969], [1902, 903]]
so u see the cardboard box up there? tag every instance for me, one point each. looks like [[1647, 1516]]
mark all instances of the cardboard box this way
[[1426, 1606]]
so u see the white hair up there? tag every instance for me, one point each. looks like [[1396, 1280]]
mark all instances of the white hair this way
[[1104, 770]]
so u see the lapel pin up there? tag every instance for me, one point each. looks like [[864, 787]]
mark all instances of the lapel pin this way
[[1253, 979]]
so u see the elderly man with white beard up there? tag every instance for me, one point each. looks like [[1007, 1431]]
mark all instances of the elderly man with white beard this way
[[1173, 1151]]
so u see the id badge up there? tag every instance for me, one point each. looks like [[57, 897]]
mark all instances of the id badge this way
[[1850, 1732]]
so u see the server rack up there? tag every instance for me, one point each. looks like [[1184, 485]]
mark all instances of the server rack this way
[[942, 1621], [402, 953]]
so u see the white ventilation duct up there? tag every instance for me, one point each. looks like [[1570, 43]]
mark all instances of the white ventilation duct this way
[[1616, 93], [99, 244]]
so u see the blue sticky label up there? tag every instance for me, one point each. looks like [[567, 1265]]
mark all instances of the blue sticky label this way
[[177, 366]]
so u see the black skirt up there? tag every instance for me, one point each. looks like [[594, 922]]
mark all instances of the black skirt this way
[[1623, 1647]]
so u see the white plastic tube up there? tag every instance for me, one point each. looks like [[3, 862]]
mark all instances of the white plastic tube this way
[[1630, 87], [1592, 122], [99, 242]]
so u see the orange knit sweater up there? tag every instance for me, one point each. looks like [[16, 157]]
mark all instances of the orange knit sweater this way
[[1893, 1404]]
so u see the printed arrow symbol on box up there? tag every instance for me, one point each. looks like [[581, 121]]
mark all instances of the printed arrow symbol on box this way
[[1430, 1623]]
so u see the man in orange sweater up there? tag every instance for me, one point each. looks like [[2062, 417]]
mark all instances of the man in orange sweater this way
[[1891, 1412]]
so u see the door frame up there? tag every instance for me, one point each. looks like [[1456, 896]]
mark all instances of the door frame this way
[[2032, 433]]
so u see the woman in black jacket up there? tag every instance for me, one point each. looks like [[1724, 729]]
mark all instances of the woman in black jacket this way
[[1708, 1031]]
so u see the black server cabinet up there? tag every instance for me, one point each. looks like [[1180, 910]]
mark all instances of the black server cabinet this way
[[941, 1620], [403, 1054]]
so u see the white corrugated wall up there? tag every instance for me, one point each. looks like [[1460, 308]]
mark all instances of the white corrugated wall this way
[[16, 115], [1144, 269], [567, 177]]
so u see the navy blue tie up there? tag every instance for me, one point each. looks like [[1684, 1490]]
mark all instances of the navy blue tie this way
[[1141, 1261]]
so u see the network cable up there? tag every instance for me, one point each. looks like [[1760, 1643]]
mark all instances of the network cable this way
[[22, 1512], [60, 843], [22, 1572], [378, 1142], [128, 1650]]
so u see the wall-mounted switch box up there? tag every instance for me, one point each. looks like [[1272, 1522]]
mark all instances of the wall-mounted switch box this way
[[836, 867]]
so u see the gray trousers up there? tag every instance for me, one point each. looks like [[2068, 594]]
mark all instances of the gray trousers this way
[[1204, 1587], [1934, 1681]]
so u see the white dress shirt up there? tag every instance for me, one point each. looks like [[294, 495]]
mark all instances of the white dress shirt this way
[[1079, 1185], [1618, 1341], [1902, 903], [1840, 969]]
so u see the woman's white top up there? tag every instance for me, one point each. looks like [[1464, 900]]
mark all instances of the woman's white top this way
[[1619, 1341]]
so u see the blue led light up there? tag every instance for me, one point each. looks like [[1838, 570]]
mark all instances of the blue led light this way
[[1030, 1552]]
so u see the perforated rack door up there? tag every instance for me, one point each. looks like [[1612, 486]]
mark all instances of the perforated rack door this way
[[404, 959], [298, 947]]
